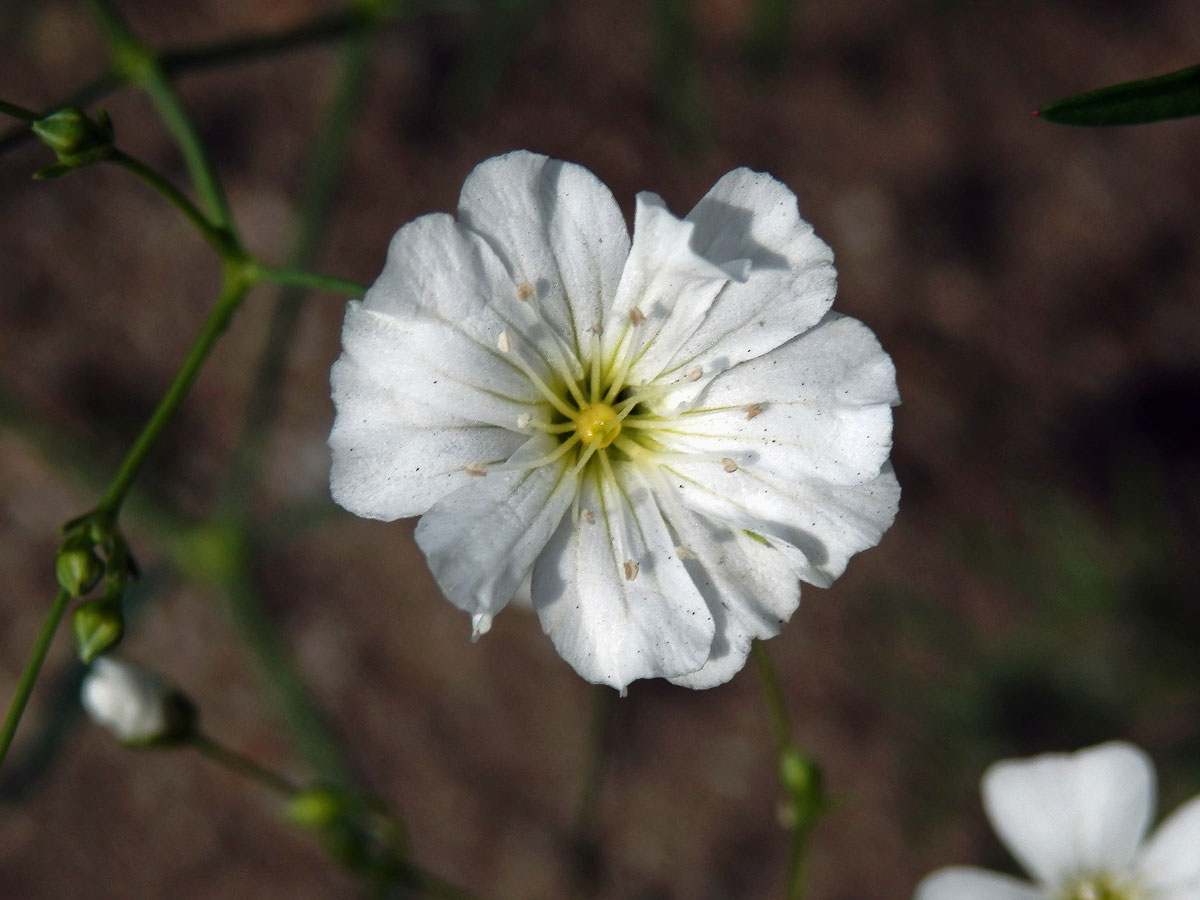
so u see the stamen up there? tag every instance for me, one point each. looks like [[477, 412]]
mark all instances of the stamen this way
[[560, 428], [576, 394], [594, 353], [537, 382], [476, 469], [545, 460], [586, 455], [655, 423], [635, 450]]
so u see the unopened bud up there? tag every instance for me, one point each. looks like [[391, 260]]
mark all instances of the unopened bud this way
[[99, 626], [316, 807], [77, 566], [802, 780], [137, 706], [75, 139]]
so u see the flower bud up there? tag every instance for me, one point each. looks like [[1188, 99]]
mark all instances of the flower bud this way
[[802, 780], [137, 706], [77, 566], [99, 626], [316, 807], [75, 139]]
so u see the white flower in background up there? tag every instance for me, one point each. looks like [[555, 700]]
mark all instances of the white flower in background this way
[[1077, 823], [135, 705], [663, 436]]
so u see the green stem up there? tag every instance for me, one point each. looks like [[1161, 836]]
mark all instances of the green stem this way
[[141, 66], [804, 797], [584, 835], [256, 46], [308, 726], [232, 293], [29, 674], [301, 279], [243, 765], [781, 726], [18, 112], [262, 637], [183, 61], [217, 237]]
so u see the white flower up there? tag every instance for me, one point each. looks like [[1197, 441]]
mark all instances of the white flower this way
[[136, 705], [661, 436], [1076, 822]]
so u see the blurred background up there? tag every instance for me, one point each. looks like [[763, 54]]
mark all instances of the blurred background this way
[[1038, 287]]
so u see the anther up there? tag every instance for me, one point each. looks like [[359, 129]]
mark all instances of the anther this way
[[693, 374], [636, 316], [728, 464], [524, 420], [525, 291], [631, 570], [588, 516], [477, 469], [754, 410], [504, 342]]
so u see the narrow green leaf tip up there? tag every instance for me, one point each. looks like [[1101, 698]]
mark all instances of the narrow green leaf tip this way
[[1170, 96]]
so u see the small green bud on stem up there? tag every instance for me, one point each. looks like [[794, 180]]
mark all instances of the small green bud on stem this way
[[77, 566], [75, 139], [357, 832], [801, 779], [99, 626]]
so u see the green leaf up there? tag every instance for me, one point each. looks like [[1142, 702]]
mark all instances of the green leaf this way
[[1170, 96]]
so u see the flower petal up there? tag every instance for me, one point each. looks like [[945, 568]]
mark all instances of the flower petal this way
[[1062, 814], [665, 291], [392, 459], [970, 883], [818, 526], [750, 587], [1170, 864], [816, 408], [791, 281], [440, 272], [434, 370], [612, 593], [558, 231], [505, 519]]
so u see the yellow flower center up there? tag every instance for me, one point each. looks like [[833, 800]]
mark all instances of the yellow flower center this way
[[597, 425], [1102, 887]]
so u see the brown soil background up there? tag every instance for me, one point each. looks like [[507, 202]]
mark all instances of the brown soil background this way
[[1036, 285]]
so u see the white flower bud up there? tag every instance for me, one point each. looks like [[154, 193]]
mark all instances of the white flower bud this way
[[135, 705]]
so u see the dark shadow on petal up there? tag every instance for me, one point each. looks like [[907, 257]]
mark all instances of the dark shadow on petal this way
[[719, 223]]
